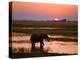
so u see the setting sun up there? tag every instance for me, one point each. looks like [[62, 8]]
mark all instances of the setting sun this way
[[56, 19]]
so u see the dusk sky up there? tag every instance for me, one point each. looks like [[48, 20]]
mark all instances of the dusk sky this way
[[43, 11]]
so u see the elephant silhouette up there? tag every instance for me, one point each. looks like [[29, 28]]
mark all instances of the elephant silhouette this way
[[38, 38]]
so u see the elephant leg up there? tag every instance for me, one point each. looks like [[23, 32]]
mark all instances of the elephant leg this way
[[33, 45], [41, 45]]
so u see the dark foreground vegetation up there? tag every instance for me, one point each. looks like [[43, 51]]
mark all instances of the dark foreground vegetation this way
[[29, 55]]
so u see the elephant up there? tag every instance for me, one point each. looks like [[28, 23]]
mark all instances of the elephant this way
[[38, 38]]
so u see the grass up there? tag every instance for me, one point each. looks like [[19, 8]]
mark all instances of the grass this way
[[70, 24], [70, 28]]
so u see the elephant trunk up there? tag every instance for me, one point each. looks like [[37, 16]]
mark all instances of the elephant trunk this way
[[48, 39]]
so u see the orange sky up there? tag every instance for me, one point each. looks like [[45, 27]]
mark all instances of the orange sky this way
[[43, 8]]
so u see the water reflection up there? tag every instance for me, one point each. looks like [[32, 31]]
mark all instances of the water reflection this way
[[49, 47], [59, 47]]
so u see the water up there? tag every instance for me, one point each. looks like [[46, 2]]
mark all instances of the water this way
[[50, 47], [60, 47]]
